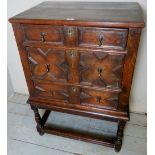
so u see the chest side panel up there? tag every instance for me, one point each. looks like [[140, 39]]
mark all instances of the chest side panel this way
[[129, 64]]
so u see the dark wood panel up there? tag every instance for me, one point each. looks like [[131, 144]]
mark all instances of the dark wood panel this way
[[51, 92], [84, 136], [72, 59], [101, 69], [76, 95], [44, 33], [19, 35], [99, 88], [47, 64], [108, 13], [99, 99], [130, 60], [70, 35], [76, 48], [103, 38]]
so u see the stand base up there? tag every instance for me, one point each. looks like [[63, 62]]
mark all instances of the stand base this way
[[115, 142]]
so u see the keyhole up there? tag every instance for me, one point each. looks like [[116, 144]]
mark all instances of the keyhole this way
[[74, 89], [72, 54]]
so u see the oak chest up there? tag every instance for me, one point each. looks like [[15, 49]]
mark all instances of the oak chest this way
[[79, 58]]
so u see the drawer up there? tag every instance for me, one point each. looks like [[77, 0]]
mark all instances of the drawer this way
[[57, 92], [44, 33], [103, 37], [99, 99], [47, 64], [51, 92], [101, 69]]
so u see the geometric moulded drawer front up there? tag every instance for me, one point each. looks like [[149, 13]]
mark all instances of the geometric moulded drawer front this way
[[51, 92], [99, 99], [109, 38], [47, 64], [101, 69], [95, 68], [88, 97]]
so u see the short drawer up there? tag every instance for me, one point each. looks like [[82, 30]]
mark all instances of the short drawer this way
[[101, 69], [50, 92], [99, 99], [44, 33], [47, 63], [109, 38]]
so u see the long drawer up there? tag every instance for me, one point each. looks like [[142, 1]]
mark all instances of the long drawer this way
[[73, 95], [95, 69]]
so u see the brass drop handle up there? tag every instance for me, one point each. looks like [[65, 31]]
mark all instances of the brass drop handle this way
[[98, 99], [42, 36], [100, 40], [99, 70], [47, 67]]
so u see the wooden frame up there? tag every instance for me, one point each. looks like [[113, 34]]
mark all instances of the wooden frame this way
[[115, 142]]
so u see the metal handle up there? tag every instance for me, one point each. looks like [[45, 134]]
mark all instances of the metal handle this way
[[99, 70], [42, 36], [100, 40], [98, 99], [47, 67]]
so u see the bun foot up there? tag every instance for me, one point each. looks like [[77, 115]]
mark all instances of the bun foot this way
[[117, 146]]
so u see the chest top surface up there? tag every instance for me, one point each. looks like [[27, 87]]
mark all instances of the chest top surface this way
[[127, 13]]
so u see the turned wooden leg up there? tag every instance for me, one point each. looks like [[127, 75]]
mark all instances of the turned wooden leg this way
[[118, 142], [40, 127]]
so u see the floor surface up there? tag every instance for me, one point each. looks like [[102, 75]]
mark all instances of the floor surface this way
[[23, 139]]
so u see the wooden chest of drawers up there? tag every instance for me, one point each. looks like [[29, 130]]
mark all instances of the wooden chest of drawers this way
[[79, 58]]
